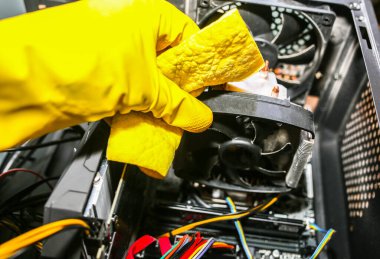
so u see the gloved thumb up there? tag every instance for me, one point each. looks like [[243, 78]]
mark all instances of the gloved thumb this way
[[178, 108]]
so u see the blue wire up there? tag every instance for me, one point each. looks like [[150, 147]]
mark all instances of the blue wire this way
[[205, 248], [171, 249], [239, 229], [318, 228], [323, 243]]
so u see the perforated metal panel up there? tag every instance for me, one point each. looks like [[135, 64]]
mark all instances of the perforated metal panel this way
[[360, 154]]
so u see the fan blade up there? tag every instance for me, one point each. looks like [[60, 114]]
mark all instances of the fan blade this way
[[284, 148], [268, 50], [223, 129], [304, 56], [258, 20], [210, 139], [291, 29], [270, 172], [208, 159]]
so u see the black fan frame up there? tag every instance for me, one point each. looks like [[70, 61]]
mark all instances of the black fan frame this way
[[194, 159]]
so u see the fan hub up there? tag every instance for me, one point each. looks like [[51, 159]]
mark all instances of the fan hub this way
[[239, 153]]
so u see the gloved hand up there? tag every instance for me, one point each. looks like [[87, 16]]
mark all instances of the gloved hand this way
[[217, 54], [88, 60]]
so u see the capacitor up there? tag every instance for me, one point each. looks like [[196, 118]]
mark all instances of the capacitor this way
[[276, 254]]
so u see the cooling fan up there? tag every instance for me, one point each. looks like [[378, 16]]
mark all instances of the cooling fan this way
[[291, 40], [255, 144]]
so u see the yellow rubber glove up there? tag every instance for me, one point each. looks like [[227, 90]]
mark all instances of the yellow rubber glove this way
[[88, 60], [223, 51]]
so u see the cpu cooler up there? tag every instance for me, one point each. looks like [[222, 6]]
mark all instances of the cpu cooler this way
[[255, 144]]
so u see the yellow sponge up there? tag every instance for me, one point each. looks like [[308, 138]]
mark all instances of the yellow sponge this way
[[221, 52]]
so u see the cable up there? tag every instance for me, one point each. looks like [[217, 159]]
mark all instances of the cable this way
[[196, 251], [47, 144], [222, 245], [20, 195], [324, 241], [175, 247], [205, 248], [27, 203], [11, 158], [317, 228], [23, 156], [186, 246], [239, 229], [232, 216], [10, 225], [12, 246], [198, 200], [24, 170]]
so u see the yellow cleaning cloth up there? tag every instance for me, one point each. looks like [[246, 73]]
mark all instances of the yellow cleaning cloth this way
[[221, 52]]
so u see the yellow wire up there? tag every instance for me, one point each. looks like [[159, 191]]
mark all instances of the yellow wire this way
[[219, 218], [270, 203], [196, 251], [35, 232], [312, 227], [242, 234], [10, 247], [39, 245], [324, 243]]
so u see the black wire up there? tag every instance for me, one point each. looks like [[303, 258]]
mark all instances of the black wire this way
[[47, 144], [14, 231], [5, 161], [24, 158], [177, 254], [32, 201], [15, 199]]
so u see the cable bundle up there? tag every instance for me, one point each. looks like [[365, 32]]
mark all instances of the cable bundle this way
[[239, 229], [188, 246], [231, 216], [193, 246], [13, 246]]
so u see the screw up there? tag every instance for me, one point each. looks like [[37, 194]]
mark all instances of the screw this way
[[336, 76], [326, 20], [204, 4], [97, 178], [354, 6]]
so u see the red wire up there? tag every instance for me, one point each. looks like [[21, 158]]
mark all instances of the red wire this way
[[24, 170]]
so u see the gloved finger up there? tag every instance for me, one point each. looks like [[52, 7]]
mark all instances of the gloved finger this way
[[174, 26], [197, 92], [178, 108]]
